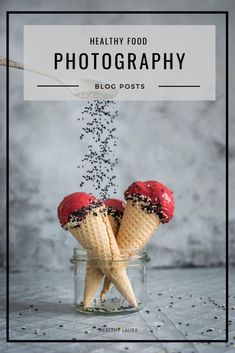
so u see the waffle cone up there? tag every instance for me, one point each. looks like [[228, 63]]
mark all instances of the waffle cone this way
[[136, 229], [137, 226], [96, 236], [114, 224], [93, 278], [107, 285]]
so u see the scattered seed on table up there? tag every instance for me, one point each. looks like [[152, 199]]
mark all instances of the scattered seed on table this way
[[147, 311], [61, 325]]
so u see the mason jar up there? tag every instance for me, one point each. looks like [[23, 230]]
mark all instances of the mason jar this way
[[134, 261]]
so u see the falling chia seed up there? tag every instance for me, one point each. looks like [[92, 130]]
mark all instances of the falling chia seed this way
[[99, 162]]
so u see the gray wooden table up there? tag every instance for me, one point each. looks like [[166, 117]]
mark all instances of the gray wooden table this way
[[184, 304]]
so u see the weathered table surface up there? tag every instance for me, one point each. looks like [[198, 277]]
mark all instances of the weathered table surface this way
[[184, 304]]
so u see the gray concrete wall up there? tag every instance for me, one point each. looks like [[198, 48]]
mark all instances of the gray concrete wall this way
[[179, 143]]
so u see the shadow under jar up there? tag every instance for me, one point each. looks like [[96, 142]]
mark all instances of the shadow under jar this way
[[133, 260]]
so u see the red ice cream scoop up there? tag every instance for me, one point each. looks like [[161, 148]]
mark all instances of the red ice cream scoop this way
[[156, 194], [116, 204], [74, 202]]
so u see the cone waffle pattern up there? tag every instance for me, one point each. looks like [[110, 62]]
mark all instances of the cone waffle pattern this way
[[107, 284]]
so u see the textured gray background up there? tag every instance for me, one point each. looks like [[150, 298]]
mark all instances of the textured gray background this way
[[178, 143]]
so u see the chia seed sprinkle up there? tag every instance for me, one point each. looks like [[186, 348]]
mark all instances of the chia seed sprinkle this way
[[99, 161], [79, 215], [117, 215]]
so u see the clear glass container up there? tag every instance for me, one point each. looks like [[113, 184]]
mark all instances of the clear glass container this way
[[134, 261]]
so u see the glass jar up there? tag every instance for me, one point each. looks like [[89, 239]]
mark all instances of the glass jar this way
[[135, 263]]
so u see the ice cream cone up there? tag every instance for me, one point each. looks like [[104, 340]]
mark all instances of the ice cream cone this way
[[93, 278], [115, 210], [89, 224], [114, 225], [148, 205], [137, 226]]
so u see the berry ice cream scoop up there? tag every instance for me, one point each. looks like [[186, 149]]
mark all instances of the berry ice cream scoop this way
[[115, 204], [87, 220], [74, 208]]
